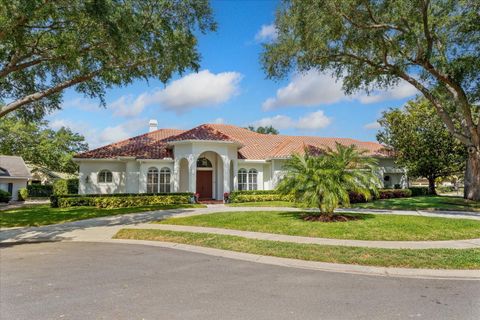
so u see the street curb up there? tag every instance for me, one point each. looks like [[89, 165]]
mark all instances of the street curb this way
[[442, 274]]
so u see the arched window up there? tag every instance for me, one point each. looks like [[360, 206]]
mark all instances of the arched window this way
[[203, 163], [165, 180], [242, 179], [252, 179], [152, 180], [105, 176]]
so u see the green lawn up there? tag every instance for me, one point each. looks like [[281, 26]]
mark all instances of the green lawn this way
[[402, 258], [38, 215], [423, 203], [367, 227]]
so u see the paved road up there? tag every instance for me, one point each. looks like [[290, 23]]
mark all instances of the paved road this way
[[116, 281]]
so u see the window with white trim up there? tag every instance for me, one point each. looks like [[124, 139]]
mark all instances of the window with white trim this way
[[252, 179], [152, 180], [242, 180], [165, 176], [105, 176]]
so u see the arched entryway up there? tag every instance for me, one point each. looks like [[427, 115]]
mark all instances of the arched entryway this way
[[209, 177]]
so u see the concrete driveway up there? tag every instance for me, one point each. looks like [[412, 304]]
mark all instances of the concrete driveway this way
[[71, 280]]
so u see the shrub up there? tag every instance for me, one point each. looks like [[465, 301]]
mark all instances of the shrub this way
[[445, 189], [419, 191], [40, 190], [394, 193], [258, 196], [5, 196], [65, 186], [22, 194], [357, 197], [119, 200]]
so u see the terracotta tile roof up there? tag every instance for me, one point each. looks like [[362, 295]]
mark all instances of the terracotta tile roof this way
[[146, 146], [155, 145], [204, 132]]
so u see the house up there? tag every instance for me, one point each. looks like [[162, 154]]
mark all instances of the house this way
[[210, 159], [14, 175], [42, 175]]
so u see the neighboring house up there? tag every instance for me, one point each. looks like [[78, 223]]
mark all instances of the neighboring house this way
[[42, 175], [14, 175], [210, 159]]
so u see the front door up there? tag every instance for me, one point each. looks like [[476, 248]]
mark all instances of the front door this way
[[204, 184]]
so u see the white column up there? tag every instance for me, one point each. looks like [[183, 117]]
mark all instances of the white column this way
[[176, 175], [192, 169], [226, 174]]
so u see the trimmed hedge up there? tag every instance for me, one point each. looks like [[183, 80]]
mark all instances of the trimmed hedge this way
[[65, 186], [40, 190], [5, 196], [419, 191], [119, 200], [258, 196], [394, 193]]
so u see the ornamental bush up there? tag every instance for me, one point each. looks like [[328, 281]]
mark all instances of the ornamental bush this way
[[5, 196], [22, 194], [419, 191], [65, 186]]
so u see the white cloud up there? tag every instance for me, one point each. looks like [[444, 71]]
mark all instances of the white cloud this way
[[310, 122], [372, 126], [194, 90], [267, 32], [307, 89], [313, 88], [96, 137]]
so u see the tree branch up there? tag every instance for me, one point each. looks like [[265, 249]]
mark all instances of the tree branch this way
[[42, 94]]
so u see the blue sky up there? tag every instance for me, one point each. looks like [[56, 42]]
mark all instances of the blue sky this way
[[232, 88]]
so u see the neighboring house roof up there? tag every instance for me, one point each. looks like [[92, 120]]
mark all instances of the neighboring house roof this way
[[13, 167], [35, 169], [156, 144]]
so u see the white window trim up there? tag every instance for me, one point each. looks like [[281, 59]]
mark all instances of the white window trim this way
[[106, 172]]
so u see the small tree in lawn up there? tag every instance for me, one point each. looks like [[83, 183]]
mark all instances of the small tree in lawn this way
[[325, 181]]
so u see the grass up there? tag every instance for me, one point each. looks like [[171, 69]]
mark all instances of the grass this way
[[367, 227], [402, 258], [423, 203], [39, 215]]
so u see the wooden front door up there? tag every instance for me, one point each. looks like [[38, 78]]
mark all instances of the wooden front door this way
[[204, 184]]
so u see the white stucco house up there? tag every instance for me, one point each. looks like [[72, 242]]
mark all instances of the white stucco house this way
[[14, 175], [210, 159]]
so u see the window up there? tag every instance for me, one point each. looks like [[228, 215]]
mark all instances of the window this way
[[203, 163], [152, 180], [242, 179], [165, 180], [252, 179], [105, 176]]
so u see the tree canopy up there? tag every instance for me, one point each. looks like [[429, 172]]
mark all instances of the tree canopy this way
[[433, 45], [421, 141], [37, 143], [264, 130], [48, 46]]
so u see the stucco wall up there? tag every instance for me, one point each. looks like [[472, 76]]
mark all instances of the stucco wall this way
[[88, 177], [17, 184]]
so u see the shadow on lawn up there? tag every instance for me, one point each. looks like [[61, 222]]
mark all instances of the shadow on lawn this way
[[300, 215], [56, 232]]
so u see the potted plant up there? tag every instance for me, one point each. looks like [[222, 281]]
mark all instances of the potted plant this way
[[226, 197]]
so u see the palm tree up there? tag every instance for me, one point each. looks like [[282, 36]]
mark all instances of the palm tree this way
[[325, 181]]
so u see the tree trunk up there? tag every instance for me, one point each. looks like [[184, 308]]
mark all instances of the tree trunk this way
[[472, 176], [431, 186]]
